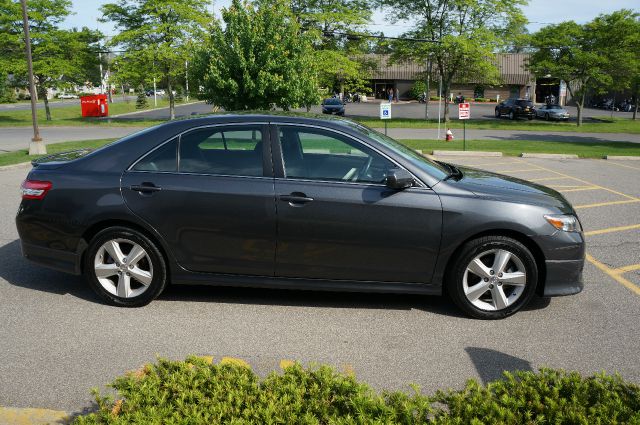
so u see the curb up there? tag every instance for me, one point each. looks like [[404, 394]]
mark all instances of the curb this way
[[149, 110], [14, 166], [622, 158], [467, 153], [549, 155], [29, 416]]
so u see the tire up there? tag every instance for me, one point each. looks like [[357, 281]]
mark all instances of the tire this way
[[530, 117], [122, 284], [498, 113], [546, 117], [512, 115], [494, 298]]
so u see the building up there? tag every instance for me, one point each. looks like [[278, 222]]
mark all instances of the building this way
[[516, 80]]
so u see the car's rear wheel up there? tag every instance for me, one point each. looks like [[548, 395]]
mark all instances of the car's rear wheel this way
[[492, 277], [124, 267]]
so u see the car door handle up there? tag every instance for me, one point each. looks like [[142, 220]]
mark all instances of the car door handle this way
[[145, 187], [296, 198]]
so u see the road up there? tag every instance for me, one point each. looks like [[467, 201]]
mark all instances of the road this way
[[53, 103], [399, 110], [57, 339]]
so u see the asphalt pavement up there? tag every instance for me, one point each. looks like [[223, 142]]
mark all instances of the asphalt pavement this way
[[58, 340]]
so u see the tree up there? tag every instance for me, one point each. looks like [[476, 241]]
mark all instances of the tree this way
[[464, 34], [596, 57], [260, 58], [61, 58], [157, 36]]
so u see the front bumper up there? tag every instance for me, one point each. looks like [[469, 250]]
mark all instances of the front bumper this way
[[564, 277]]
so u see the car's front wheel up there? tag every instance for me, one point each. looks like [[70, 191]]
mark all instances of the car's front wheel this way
[[124, 267], [497, 113], [493, 277], [512, 115]]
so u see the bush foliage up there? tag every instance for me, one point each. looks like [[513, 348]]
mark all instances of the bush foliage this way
[[197, 392]]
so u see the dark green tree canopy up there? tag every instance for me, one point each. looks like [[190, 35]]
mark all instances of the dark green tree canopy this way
[[259, 58]]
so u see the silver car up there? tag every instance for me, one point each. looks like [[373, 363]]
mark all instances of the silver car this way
[[552, 112]]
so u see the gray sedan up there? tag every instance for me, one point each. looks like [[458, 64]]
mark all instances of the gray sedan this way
[[552, 112]]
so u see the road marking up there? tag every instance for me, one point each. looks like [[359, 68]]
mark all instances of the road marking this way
[[284, 363], [544, 179], [518, 171], [604, 204], [566, 186], [584, 181], [484, 164], [612, 273], [578, 189], [622, 165], [234, 361], [612, 229], [9, 415], [626, 269]]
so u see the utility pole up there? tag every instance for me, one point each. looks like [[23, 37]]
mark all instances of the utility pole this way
[[428, 96], [37, 146], [186, 77]]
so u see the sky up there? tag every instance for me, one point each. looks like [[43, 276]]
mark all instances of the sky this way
[[539, 13]]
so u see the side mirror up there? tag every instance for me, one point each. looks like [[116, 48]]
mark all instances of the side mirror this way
[[398, 179]]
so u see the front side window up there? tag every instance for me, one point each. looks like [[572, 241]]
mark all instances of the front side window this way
[[315, 154], [232, 150]]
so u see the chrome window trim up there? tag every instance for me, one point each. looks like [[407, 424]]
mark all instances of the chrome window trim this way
[[278, 124], [179, 136]]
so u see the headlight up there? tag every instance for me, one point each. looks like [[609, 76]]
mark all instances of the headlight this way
[[566, 223]]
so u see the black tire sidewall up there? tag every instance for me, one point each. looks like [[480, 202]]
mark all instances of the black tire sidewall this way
[[497, 113], [473, 248], [158, 282]]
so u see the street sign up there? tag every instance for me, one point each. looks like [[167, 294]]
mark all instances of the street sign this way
[[464, 111], [385, 111]]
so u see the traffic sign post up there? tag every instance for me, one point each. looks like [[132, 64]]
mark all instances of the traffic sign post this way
[[385, 114], [464, 113]]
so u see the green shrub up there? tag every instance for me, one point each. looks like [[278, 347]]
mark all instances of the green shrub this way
[[436, 98], [419, 87], [141, 99], [482, 99], [197, 392]]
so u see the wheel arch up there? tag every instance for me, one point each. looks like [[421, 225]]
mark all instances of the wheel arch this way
[[513, 234], [99, 226]]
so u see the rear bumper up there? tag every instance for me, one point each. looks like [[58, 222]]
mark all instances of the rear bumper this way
[[564, 277], [64, 261]]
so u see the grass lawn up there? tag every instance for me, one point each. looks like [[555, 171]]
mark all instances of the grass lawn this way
[[516, 147], [507, 147], [71, 115], [601, 125], [20, 156]]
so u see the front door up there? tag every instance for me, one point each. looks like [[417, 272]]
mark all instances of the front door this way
[[338, 220], [210, 194]]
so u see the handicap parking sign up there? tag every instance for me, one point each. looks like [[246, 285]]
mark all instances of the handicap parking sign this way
[[385, 111]]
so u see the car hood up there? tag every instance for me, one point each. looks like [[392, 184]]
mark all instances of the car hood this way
[[487, 184]]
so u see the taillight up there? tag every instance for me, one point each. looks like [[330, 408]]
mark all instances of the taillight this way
[[35, 189]]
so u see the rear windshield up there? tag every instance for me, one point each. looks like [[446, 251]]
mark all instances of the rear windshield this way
[[524, 103]]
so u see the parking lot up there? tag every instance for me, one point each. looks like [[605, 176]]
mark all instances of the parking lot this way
[[57, 340]]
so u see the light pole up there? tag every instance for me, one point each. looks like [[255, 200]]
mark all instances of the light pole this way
[[36, 146], [428, 96]]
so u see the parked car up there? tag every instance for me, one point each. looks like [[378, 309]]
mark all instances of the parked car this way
[[515, 108], [67, 96], [552, 112], [333, 106], [298, 203], [159, 92]]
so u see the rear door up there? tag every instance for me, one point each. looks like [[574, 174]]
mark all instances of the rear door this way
[[338, 220], [210, 194]]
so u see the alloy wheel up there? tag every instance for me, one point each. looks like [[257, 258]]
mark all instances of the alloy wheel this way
[[123, 268], [494, 280]]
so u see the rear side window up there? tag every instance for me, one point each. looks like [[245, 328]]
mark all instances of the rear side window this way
[[233, 151], [163, 159]]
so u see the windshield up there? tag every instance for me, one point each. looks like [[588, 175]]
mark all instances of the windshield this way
[[554, 107], [524, 103], [332, 101], [434, 169]]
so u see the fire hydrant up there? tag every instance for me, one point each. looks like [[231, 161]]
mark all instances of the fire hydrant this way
[[449, 135]]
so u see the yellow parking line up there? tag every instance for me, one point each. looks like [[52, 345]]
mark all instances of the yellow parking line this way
[[626, 269], [518, 171], [614, 275], [584, 181], [482, 164], [604, 204], [578, 189], [622, 165], [612, 229], [544, 179], [567, 186]]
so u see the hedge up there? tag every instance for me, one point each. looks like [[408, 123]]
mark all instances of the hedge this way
[[197, 392]]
